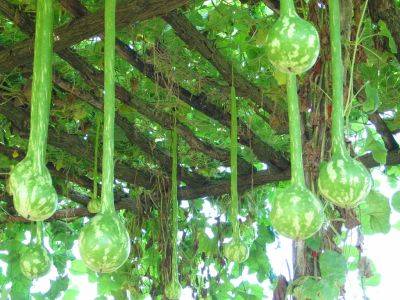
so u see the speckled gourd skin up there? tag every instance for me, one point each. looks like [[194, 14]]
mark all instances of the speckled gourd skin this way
[[344, 181], [292, 44], [35, 261], [296, 212], [33, 193], [30, 182], [104, 243], [236, 251], [173, 289]]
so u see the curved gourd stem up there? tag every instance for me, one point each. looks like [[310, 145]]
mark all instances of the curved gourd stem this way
[[338, 145], [41, 84], [287, 8], [174, 199], [96, 158], [234, 172], [107, 195], [296, 159], [39, 233]]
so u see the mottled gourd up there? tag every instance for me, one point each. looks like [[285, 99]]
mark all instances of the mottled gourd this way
[[104, 243], [296, 213], [292, 44], [34, 196], [35, 261], [30, 182], [236, 251], [343, 180]]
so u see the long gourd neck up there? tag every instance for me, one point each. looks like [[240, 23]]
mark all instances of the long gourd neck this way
[[174, 200], [234, 172], [338, 146], [107, 195], [296, 159], [287, 8], [41, 84]]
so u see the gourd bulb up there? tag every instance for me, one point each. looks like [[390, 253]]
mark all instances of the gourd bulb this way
[[173, 290], [296, 212], [236, 251], [33, 193], [344, 182], [35, 261], [104, 243], [292, 44]]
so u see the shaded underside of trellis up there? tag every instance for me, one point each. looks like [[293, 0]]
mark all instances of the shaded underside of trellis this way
[[210, 102]]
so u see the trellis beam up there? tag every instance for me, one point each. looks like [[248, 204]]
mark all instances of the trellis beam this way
[[86, 27]]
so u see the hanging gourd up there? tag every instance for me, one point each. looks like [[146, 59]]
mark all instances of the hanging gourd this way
[[236, 250], [343, 180], [296, 212], [94, 205], [292, 43], [104, 242], [35, 261], [173, 288], [30, 182]]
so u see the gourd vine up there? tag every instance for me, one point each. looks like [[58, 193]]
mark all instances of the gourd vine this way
[[343, 180], [35, 260], [236, 250], [173, 288], [104, 242], [94, 204], [296, 212], [30, 181]]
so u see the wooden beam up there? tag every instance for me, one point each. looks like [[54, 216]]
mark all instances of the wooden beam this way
[[91, 25]]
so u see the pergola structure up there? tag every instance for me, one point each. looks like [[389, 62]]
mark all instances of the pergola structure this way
[[85, 25]]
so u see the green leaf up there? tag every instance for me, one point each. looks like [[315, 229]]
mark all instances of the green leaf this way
[[314, 243], [374, 214], [396, 201], [372, 103], [386, 32], [71, 294], [333, 267], [78, 267], [377, 147]]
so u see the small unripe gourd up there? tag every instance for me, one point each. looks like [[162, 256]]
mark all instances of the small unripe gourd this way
[[104, 243], [30, 182], [173, 289], [236, 251], [296, 212], [343, 180], [35, 262], [292, 43]]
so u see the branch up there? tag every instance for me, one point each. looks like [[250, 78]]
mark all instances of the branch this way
[[200, 102], [259, 178], [196, 40], [387, 11], [84, 28], [75, 146], [384, 131]]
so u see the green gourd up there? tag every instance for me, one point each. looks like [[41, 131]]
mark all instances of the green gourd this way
[[35, 261], [94, 205], [296, 212], [173, 288], [292, 43], [343, 180], [30, 182], [104, 242], [236, 250]]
